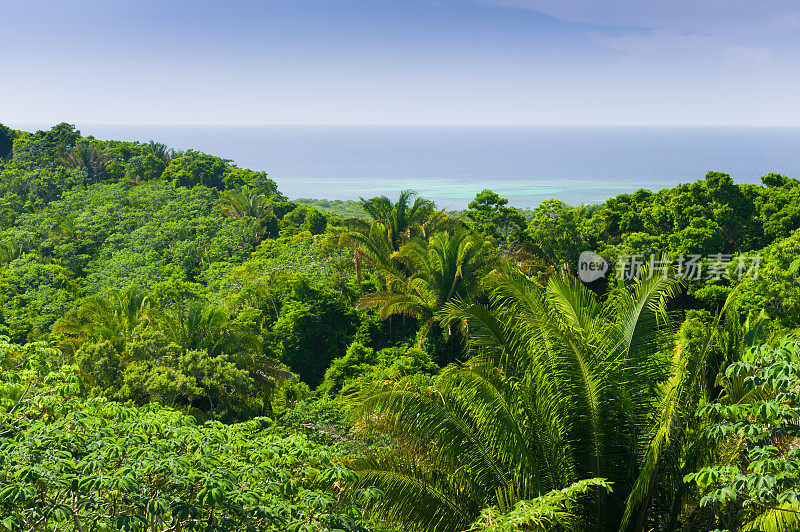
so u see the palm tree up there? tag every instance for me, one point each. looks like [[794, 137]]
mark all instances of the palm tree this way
[[674, 445], [438, 221], [9, 252], [244, 201], [444, 268], [110, 318], [400, 219], [391, 225], [86, 155], [555, 392], [199, 325], [368, 242], [161, 151]]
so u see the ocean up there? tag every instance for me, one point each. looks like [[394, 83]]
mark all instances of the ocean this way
[[450, 164]]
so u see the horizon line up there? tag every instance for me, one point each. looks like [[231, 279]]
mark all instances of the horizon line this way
[[386, 124]]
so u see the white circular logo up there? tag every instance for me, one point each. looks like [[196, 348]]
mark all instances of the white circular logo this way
[[591, 266]]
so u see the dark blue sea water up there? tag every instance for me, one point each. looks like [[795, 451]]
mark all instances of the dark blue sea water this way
[[450, 164]]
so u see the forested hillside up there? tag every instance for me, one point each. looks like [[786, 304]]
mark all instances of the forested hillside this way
[[183, 348]]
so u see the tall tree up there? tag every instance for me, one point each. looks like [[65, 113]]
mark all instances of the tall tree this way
[[391, 225], [443, 269], [402, 218], [491, 216], [559, 233]]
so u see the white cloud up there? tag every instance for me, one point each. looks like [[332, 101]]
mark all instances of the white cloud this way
[[719, 18], [661, 45], [732, 32]]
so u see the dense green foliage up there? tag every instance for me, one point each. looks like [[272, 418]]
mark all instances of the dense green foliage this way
[[182, 348], [93, 464], [755, 426]]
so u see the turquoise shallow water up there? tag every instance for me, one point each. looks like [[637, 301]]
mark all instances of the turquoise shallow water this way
[[450, 164]]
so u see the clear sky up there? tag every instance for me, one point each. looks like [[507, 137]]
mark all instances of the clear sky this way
[[401, 61]]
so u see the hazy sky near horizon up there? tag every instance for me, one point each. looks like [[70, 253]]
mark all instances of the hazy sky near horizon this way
[[670, 62]]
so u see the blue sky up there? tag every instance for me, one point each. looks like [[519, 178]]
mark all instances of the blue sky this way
[[401, 61]]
